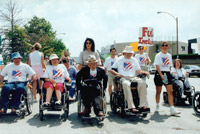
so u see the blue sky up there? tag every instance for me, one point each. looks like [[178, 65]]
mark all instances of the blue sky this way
[[107, 21]]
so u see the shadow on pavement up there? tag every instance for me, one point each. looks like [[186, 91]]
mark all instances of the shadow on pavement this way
[[77, 122], [50, 120], [9, 119], [128, 119], [158, 117]]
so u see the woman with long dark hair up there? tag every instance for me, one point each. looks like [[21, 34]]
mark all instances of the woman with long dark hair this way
[[88, 49]]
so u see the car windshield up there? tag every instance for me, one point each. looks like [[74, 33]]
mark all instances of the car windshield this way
[[194, 67]]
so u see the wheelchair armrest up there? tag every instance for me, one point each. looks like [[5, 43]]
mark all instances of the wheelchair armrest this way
[[42, 79], [115, 69], [142, 75]]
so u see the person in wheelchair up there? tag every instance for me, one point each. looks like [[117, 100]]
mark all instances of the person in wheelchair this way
[[16, 73], [89, 94], [72, 74], [127, 67], [179, 74], [54, 75]]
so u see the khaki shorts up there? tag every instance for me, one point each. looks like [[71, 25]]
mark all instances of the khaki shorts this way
[[144, 68], [111, 78]]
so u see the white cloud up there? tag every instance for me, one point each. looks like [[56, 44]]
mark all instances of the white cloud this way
[[109, 20]]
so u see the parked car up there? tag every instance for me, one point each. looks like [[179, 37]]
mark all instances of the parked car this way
[[192, 70], [152, 69]]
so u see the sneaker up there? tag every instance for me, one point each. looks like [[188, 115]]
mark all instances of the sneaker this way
[[157, 108], [58, 102], [46, 104], [174, 112]]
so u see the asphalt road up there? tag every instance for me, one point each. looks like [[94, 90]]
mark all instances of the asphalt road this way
[[154, 123]]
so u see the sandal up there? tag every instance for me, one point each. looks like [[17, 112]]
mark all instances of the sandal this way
[[13, 111], [135, 111], [3, 111]]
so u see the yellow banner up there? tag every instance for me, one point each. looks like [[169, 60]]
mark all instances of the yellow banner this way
[[135, 46]]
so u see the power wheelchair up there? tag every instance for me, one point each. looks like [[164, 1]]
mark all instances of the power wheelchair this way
[[196, 103], [117, 98], [177, 94], [26, 99], [101, 97], [53, 107]]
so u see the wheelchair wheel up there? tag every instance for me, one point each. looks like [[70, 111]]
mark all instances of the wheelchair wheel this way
[[165, 97], [29, 100], [191, 95], [41, 114], [79, 103], [113, 102], [176, 100], [196, 103], [104, 105], [66, 110]]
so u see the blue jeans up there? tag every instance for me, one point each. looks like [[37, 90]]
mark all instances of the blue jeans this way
[[6, 89], [72, 89]]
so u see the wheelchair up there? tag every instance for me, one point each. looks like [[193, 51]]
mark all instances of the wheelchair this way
[[26, 99], [177, 94], [196, 103], [102, 99], [53, 107], [117, 98]]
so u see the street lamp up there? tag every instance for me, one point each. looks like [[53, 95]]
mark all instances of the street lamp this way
[[176, 19]]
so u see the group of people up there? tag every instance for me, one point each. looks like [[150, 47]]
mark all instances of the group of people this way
[[127, 66]]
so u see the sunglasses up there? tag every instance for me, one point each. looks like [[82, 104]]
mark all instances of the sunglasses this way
[[140, 48], [65, 61], [88, 42], [164, 45]]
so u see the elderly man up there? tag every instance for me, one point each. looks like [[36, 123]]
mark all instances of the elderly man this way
[[16, 72], [90, 94], [128, 67]]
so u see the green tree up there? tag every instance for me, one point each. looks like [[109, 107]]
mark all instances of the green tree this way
[[40, 30], [20, 42]]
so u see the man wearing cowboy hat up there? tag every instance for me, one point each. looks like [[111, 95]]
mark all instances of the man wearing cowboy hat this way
[[128, 67], [90, 94], [16, 72]]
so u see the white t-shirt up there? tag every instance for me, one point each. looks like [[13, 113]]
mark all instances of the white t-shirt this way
[[142, 58], [109, 62], [35, 58], [58, 73], [17, 72], [126, 67], [84, 55], [178, 72], [164, 61], [93, 73]]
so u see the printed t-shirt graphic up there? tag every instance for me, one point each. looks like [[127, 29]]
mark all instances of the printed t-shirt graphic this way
[[16, 74], [112, 63], [57, 74], [142, 60], [128, 66], [165, 62]]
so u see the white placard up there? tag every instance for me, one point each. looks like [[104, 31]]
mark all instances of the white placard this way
[[145, 36]]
